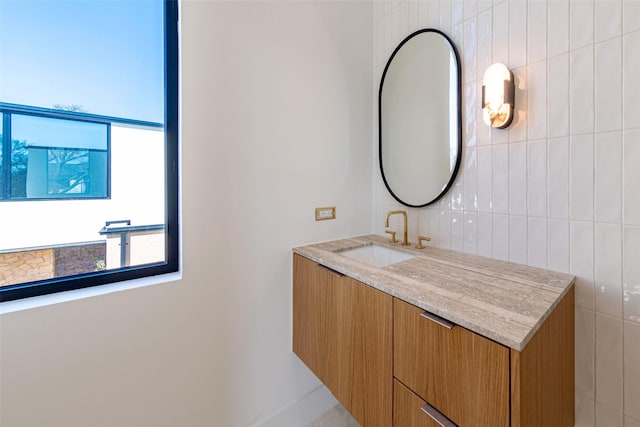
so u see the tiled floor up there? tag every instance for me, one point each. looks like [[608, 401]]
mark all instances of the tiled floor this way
[[335, 417]]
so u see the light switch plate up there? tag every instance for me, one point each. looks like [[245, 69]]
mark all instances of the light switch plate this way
[[325, 213]]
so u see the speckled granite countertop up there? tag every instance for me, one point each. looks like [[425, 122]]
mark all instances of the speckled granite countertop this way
[[501, 300]]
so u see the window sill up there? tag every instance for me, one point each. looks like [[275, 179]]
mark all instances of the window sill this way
[[61, 297]]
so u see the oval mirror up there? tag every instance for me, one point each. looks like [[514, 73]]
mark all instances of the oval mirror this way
[[420, 118]]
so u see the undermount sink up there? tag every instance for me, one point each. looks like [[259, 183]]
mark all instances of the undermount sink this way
[[378, 256]]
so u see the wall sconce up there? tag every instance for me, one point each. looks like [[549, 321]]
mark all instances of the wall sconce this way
[[498, 92]]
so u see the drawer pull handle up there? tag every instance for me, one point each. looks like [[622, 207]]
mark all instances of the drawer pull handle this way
[[439, 320], [437, 416]]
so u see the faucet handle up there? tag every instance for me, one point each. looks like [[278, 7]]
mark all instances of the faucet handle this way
[[393, 235], [422, 239]]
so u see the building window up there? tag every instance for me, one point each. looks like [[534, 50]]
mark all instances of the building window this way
[[88, 143], [51, 158]]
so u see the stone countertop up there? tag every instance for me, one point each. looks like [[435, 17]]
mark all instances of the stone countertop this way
[[503, 301]]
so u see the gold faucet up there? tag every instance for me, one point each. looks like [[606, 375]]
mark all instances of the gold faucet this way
[[422, 239], [405, 241]]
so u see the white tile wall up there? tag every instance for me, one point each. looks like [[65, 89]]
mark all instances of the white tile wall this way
[[560, 188]]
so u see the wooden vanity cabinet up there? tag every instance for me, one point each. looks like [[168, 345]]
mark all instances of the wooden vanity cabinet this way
[[356, 339], [342, 330]]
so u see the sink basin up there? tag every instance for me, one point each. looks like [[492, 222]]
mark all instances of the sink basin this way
[[378, 256]]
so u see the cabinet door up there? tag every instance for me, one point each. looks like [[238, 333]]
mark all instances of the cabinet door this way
[[314, 315], [342, 331], [462, 374], [363, 372]]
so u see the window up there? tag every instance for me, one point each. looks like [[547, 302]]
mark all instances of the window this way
[[51, 158], [88, 143]]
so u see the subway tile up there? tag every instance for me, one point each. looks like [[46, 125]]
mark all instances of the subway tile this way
[[457, 192], [518, 178], [445, 15], [470, 115], [457, 231], [380, 54], [501, 178], [581, 108], [470, 188], [412, 6], [434, 14], [485, 41], [608, 85], [444, 238], [631, 177], [585, 353], [631, 16], [558, 245], [607, 417], [378, 9], [630, 80], [469, 9], [470, 230], [558, 27], [501, 237], [389, 43], [608, 178], [434, 226], [537, 178], [485, 234], [609, 362], [423, 13], [631, 273], [405, 25], [537, 100], [413, 221], [631, 369], [558, 95], [537, 31], [501, 33], [457, 36], [558, 178], [581, 261], [499, 136], [608, 269], [537, 242], [390, 4], [422, 225], [470, 51], [608, 15], [445, 202], [457, 12], [484, 5], [581, 16], [582, 174], [518, 239], [517, 33], [485, 179]]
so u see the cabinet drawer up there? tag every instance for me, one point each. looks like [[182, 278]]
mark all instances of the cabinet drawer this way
[[409, 410], [463, 374]]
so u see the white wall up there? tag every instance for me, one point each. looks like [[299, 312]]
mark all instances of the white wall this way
[[276, 108], [560, 188]]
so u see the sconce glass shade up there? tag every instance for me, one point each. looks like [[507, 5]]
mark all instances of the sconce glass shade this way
[[498, 90]]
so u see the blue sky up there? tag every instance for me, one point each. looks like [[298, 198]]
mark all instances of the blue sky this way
[[105, 55]]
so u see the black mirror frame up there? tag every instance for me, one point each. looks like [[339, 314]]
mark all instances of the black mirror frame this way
[[454, 173]]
